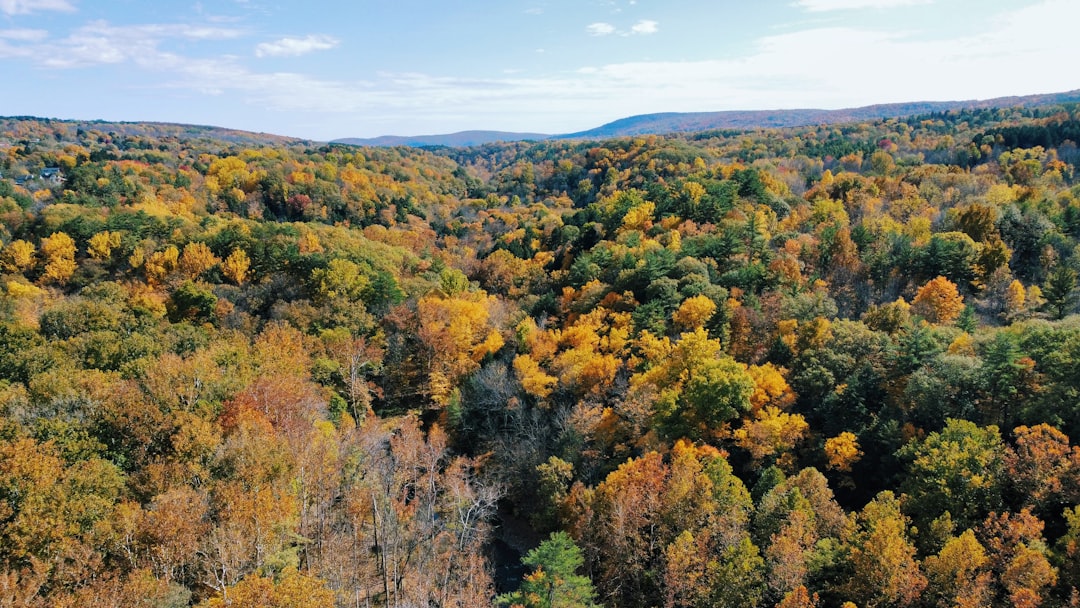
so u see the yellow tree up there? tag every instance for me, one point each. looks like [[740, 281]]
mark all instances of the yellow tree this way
[[290, 589], [770, 387], [18, 256], [884, 570], [694, 312], [197, 259], [458, 332], [542, 344], [939, 301], [160, 264], [959, 574], [101, 245], [1015, 297], [59, 252], [532, 377], [770, 432], [639, 217], [309, 242], [684, 520], [34, 522], [587, 354], [799, 597], [342, 279], [236, 266], [229, 177], [842, 451]]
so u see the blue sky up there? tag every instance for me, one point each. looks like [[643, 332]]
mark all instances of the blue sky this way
[[363, 68]]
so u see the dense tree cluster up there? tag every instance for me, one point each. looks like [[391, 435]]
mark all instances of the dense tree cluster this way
[[795, 368]]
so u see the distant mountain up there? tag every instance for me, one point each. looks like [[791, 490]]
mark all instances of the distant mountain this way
[[66, 129], [684, 122], [462, 139]]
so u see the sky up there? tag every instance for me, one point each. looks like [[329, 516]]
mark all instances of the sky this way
[[363, 68]]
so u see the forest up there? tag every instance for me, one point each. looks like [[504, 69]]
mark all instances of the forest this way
[[820, 366]]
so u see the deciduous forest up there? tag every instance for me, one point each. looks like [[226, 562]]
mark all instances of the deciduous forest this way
[[822, 366]]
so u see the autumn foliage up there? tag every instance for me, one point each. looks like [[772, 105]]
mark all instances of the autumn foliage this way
[[938, 301], [678, 371]]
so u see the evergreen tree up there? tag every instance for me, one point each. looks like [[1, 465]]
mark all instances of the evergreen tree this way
[[1060, 291], [554, 582]]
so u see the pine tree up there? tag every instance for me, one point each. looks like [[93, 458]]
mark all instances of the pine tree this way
[[554, 582], [1060, 290]]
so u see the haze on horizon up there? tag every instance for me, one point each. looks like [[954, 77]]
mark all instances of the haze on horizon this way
[[414, 67]]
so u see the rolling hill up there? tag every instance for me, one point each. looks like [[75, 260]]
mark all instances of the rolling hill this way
[[462, 139], [683, 122]]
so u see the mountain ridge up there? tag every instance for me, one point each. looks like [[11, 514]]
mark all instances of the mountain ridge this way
[[460, 139], [156, 129], [683, 122], [643, 124]]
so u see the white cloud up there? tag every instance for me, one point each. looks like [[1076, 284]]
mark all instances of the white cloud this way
[[643, 27], [1018, 52], [770, 75], [600, 29], [25, 7], [24, 35], [1023, 44], [294, 47], [202, 32], [534, 11], [840, 5], [98, 43]]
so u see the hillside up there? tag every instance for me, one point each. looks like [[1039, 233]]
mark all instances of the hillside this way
[[675, 122], [67, 130], [798, 367], [463, 139], [687, 122]]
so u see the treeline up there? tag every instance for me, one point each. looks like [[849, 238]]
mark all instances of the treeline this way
[[777, 368]]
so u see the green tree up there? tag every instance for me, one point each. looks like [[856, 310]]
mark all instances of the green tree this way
[[1060, 291], [340, 279], [967, 320], [699, 387], [1068, 551], [1004, 370], [949, 254], [554, 582], [191, 301], [959, 469], [718, 391]]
